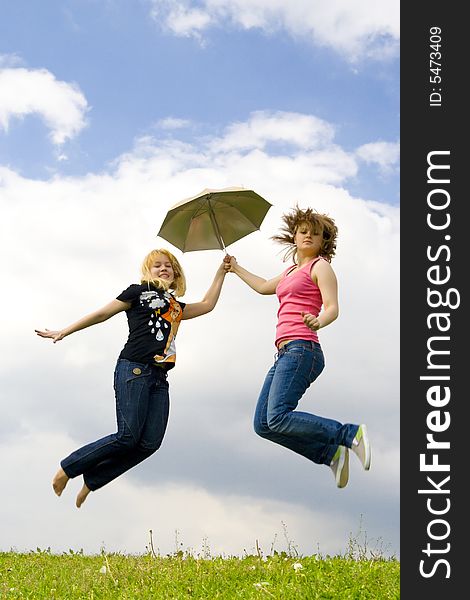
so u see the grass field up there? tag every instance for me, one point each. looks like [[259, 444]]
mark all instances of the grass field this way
[[42, 574]]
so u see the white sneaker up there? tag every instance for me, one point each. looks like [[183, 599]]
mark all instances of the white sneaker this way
[[361, 447], [340, 466]]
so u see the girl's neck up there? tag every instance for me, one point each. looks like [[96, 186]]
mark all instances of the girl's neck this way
[[303, 259]]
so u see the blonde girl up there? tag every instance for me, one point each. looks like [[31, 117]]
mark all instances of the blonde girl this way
[[141, 373]]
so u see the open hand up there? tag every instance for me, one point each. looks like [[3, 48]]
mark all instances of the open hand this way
[[55, 336]]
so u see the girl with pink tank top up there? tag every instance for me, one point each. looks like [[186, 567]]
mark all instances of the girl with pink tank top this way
[[308, 301], [297, 294]]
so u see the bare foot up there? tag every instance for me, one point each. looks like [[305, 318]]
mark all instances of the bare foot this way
[[82, 494], [60, 481]]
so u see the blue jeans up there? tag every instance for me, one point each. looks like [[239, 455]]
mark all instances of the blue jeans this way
[[298, 364], [142, 408]]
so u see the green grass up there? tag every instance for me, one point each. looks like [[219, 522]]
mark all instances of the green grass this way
[[179, 576]]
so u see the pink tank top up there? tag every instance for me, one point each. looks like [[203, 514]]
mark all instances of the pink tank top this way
[[297, 293]]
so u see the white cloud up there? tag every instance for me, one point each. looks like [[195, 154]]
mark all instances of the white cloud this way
[[263, 127], [69, 245], [385, 154], [180, 18], [355, 29], [303, 148], [10, 60], [187, 21], [172, 123], [61, 105]]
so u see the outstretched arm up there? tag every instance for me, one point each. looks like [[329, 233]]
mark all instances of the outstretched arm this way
[[100, 315], [260, 285], [196, 309]]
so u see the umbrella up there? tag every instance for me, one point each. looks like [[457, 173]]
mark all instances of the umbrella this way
[[214, 219]]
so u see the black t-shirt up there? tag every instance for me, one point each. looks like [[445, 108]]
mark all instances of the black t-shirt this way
[[153, 319]]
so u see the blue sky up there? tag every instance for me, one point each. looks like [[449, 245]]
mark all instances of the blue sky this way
[[135, 72], [110, 112]]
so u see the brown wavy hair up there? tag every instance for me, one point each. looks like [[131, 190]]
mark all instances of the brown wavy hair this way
[[318, 222], [178, 285]]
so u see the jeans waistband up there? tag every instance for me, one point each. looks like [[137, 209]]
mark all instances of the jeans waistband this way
[[154, 367], [309, 344]]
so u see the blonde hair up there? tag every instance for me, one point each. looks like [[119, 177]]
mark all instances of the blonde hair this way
[[318, 222], [178, 285]]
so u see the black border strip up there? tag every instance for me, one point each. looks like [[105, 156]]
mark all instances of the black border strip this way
[[434, 284]]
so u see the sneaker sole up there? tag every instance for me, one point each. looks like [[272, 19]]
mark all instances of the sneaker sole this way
[[367, 451], [342, 473]]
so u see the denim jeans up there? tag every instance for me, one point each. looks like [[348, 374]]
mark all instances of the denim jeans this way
[[142, 407], [298, 364]]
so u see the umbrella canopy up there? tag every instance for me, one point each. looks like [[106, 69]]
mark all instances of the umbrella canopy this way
[[214, 219]]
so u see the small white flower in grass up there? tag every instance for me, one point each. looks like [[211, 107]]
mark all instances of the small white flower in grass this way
[[103, 570], [297, 567], [261, 585]]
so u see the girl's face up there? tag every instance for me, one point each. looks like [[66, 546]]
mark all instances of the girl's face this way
[[307, 240], [161, 268]]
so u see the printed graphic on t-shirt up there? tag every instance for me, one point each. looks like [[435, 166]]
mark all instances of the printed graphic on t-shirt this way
[[154, 316], [163, 325]]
